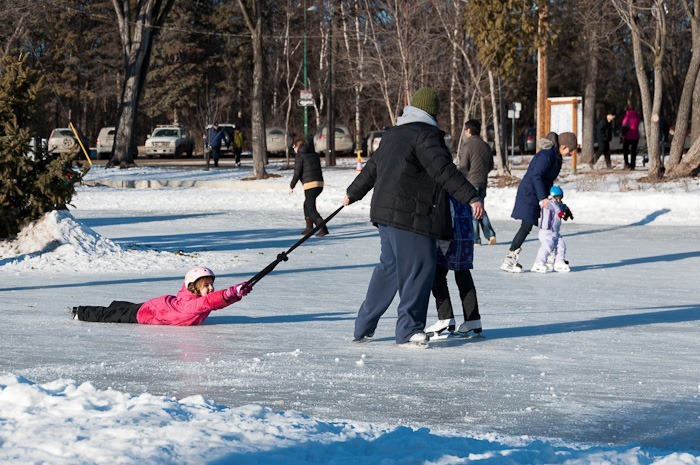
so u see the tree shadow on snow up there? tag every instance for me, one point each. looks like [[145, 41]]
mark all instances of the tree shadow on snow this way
[[245, 239], [644, 221], [636, 261], [289, 318], [177, 279], [121, 220], [673, 314]]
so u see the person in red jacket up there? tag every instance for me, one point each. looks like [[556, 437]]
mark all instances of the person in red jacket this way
[[192, 305]]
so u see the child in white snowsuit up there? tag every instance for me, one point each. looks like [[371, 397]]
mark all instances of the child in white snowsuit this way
[[551, 242]]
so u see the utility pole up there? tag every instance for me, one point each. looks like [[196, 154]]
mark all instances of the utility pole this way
[[542, 72], [330, 157]]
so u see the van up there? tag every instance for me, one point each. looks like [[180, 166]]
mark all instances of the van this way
[[104, 143]]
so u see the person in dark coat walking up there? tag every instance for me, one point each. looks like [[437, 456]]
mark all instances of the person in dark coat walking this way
[[412, 174], [475, 162], [604, 131], [533, 191], [214, 138], [307, 168]]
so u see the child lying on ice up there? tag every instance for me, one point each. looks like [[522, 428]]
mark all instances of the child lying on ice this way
[[192, 305]]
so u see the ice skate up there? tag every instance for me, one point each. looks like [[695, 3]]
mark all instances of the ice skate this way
[[468, 326], [360, 340], [73, 312], [510, 263], [439, 326], [539, 268], [417, 341], [562, 267], [550, 261], [492, 240]]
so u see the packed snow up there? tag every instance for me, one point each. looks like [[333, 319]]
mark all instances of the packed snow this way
[[599, 365]]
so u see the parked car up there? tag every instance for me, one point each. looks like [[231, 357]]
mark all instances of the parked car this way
[[528, 141], [343, 139], [170, 140], [277, 140], [62, 140], [373, 140], [105, 142]]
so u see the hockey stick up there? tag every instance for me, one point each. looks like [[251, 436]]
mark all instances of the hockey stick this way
[[282, 257]]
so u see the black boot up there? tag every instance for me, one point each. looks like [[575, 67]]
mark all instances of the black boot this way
[[309, 226], [324, 230]]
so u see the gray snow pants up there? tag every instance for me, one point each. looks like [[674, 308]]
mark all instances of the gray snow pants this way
[[407, 266]]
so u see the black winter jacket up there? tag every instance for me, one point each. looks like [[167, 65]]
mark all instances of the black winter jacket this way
[[411, 173], [307, 167]]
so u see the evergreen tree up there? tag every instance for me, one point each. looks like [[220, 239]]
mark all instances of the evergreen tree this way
[[30, 186]]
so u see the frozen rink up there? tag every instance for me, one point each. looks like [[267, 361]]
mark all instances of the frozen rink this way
[[601, 364]]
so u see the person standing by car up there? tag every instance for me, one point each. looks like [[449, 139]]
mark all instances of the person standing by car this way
[[533, 191], [475, 161], [412, 174], [307, 168], [604, 130], [630, 137], [215, 137]]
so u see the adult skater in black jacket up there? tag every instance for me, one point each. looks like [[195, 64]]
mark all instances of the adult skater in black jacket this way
[[411, 173], [307, 168]]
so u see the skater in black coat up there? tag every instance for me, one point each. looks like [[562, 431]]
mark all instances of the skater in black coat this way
[[412, 174], [307, 168]]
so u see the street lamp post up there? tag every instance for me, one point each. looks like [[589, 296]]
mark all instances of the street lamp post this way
[[306, 84], [330, 157]]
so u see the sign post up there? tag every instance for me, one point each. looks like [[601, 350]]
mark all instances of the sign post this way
[[513, 115]]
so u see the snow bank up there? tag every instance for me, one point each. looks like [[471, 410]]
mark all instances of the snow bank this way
[[79, 424], [59, 242]]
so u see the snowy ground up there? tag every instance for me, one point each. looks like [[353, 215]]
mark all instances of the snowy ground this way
[[597, 366]]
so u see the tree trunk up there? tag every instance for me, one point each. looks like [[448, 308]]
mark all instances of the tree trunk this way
[[684, 106], [651, 103], [137, 33], [501, 164], [589, 97], [690, 166], [254, 23], [542, 74]]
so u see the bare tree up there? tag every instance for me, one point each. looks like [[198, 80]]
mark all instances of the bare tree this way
[[139, 23], [253, 19], [675, 166], [649, 37]]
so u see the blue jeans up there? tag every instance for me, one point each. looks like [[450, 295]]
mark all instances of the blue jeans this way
[[407, 266], [484, 221]]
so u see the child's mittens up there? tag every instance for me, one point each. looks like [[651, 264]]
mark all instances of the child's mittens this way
[[568, 215], [237, 291]]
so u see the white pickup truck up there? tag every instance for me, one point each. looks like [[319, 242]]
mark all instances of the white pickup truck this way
[[171, 140]]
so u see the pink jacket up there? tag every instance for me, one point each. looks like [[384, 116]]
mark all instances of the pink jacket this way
[[186, 309], [631, 120]]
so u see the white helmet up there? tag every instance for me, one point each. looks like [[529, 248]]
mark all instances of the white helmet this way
[[198, 272]]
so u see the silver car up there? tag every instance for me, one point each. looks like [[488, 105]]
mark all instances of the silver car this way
[[277, 140], [104, 142], [373, 140], [343, 139], [62, 140]]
